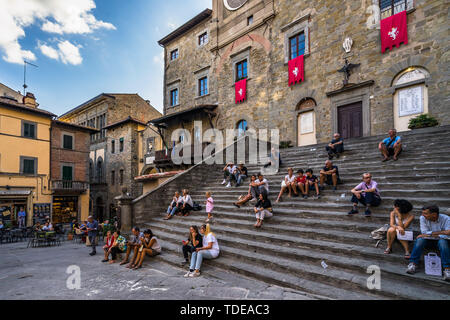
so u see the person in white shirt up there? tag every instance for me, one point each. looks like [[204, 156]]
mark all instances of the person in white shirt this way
[[263, 184], [289, 183], [149, 246], [210, 250], [230, 173], [188, 204], [174, 206]]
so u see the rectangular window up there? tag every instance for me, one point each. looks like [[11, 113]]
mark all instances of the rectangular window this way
[[203, 39], [391, 7], [121, 144], [67, 142], [250, 20], [174, 97], [113, 146], [29, 130], [28, 165], [174, 55], [121, 177], [297, 45], [67, 173], [113, 178], [203, 86], [241, 70]]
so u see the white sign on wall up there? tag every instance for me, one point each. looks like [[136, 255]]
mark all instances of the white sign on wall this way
[[410, 101], [307, 123]]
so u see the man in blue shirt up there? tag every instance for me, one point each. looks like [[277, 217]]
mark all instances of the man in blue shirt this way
[[21, 215], [435, 232], [92, 229], [391, 147]]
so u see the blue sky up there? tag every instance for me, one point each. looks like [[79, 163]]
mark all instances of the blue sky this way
[[118, 53]]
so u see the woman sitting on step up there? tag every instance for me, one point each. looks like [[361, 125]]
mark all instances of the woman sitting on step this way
[[210, 251], [263, 209], [289, 183], [174, 206], [188, 204], [150, 247], [401, 220], [252, 193]]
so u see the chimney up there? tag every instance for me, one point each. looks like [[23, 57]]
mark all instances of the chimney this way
[[29, 100]]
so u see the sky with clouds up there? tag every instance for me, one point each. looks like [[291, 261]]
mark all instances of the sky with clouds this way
[[85, 47]]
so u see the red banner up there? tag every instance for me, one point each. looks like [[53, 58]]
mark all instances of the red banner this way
[[296, 70], [241, 90], [394, 31]]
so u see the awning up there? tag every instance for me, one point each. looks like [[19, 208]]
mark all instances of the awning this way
[[172, 116], [15, 193]]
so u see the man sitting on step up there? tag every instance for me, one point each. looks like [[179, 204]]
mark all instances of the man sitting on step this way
[[230, 173], [435, 233], [133, 245], [335, 147], [391, 146], [366, 193], [329, 175]]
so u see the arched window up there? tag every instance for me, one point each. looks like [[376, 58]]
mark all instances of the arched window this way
[[306, 122], [242, 127], [410, 97], [100, 169]]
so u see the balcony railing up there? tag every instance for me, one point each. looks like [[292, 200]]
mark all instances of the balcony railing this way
[[67, 185]]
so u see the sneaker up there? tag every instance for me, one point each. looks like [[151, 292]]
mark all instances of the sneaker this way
[[353, 211], [105, 260], [194, 274], [305, 196], [229, 185], [92, 253], [368, 213], [411, 268], [188, 274], [447, 275], [224, 181]]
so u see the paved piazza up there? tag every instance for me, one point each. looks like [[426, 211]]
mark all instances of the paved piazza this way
[[40, 273]]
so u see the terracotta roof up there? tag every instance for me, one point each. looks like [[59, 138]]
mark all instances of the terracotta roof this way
[[10, 103], [155, 176], [68, 124], [186, 27], [177, 114], [126, 120]]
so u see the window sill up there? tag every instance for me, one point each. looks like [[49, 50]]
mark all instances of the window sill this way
[[204, 96], [234, 84], [304, 56]]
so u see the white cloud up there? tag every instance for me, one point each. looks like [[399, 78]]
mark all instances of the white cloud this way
[[172, 26], [159, 59], [66, 52], [54, 16]]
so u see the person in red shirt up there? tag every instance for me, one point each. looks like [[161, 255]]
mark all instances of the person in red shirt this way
[[301, 182], [109, 241]]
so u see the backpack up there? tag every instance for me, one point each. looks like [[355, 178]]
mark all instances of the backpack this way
[[197, 207], [379, 234]]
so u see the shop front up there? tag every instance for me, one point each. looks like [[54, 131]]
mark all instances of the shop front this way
[[10, 204], [65, 209]]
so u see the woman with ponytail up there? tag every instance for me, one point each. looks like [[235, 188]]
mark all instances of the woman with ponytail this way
[[210, 250]]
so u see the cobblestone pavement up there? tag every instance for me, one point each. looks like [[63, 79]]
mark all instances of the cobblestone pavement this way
[[40, 273]]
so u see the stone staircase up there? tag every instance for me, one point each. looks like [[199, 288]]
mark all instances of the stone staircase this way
[[290, 247]]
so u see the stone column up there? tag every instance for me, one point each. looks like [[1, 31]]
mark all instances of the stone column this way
[[126, 211]]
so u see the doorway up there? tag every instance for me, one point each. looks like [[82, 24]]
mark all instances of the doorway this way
[[350, 120]]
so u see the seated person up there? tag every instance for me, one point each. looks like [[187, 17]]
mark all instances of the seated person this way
[[109, 241], [188, 203], [119, 246], [46, 227], [312, 183], [391, 146], [133, 245], [174, 206], [194, 241], [329, 175], [289, 183], [210, 250], [261, 185], [274, 159], [335, 147], [301, 183], [37, 226], [367, 194], [150, 247], [230, 174], [263, 210], [401, 221], [242, 174], [435, 233], [250, 195]]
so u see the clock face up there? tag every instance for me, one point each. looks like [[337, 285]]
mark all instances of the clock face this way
[[234, 4]]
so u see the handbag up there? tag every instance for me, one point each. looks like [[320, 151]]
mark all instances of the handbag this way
[[197, 207], [379, 234]]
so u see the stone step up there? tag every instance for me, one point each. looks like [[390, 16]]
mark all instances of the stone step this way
[[346, 272]]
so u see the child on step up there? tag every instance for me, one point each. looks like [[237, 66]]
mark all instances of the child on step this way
[[209, 206]]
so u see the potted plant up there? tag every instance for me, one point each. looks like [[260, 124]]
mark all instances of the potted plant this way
[[423, 121]]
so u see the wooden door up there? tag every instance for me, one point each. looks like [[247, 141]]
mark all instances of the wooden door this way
[[350, 120]]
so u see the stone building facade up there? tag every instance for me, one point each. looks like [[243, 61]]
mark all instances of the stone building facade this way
[[384, 90], [100, 112]]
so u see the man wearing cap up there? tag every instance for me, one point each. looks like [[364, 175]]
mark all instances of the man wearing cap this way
[[92, 229]]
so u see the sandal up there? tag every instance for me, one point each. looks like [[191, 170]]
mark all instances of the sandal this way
[[407, 256], [388, 251], [137, 267]]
